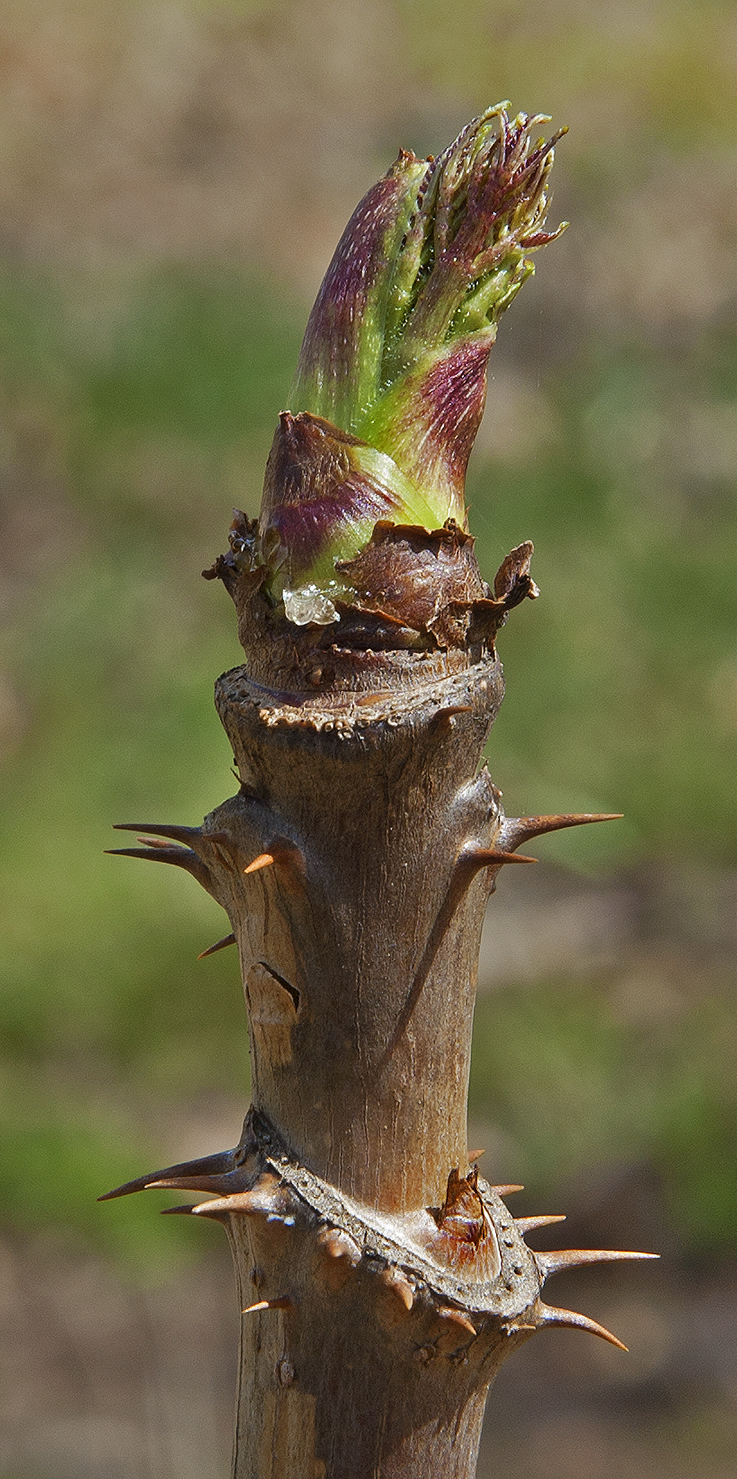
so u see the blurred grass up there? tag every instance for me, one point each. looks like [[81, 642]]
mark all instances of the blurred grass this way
[[661, 70], [112, 659], [577, 1085], [138, 399], [623, 689]]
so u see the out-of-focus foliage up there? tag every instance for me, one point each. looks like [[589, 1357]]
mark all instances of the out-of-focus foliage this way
[[623, 683], [159, 173], [110, 663], [658, 1090]]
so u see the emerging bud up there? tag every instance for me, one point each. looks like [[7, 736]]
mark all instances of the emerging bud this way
[[324, 491], [397, 344], [389, 394]]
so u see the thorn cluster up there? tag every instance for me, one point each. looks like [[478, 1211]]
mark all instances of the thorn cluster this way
[[418, 1266]]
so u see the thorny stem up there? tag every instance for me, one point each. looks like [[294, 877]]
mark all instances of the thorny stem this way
[[382, 1281]]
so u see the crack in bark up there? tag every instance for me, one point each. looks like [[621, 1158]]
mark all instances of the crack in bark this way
[[292, 990]]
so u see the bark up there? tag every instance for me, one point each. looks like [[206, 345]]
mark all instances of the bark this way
[[382, 1280], [359, 950]]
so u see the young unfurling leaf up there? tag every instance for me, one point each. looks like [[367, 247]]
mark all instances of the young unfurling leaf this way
[[391, 381]]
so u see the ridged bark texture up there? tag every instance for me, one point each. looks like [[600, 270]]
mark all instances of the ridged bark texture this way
[[359, 949], [359, 946], [382, 1282]]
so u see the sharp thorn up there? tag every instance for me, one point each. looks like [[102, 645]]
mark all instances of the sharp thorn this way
[[266, 1198], [222, 1184], [208, 1209], [510, 857], [400, 1286], [246, 1203], [444, 717], [185, 1174], [506, 1191], [404, 1292], [526, 1224], [189, 836], [181, 857], [179, 834], [220, 1208], [219, 945], [492, 857], [516, 830], [283, 1303], [281, 851], [563, 1258], [550, 1316], [171, 1211], [475, 1155], [456, 1317], [154, 850], [264, 860]]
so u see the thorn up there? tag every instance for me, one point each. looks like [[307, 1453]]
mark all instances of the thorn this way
[[219, 1208], [209, 1209], [509, 857], [219, 945], [264, 860], [221, 1184], [179, 834], [506, 1191], [399, 1285], [492, 857], [170, 1211], [209, 1173], [265, 1199], [152, 849], [444, 717], [284, 1303], [281, 851], [553, 1263], [339, 1244], [526, 1224], [341, 1255], [189, 836], [181, 857], [516, 830], [474, 1156], [551, 1316], [455, 1317]]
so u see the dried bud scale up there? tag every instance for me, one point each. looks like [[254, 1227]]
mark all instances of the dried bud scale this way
[[356, 859]]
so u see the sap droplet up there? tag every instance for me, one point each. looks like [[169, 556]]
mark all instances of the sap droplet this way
[[308, 605]]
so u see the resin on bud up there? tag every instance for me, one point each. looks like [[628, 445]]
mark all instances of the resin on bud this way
[[391, 382]]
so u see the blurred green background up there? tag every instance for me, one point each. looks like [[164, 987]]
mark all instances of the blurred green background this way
[[174, 179]]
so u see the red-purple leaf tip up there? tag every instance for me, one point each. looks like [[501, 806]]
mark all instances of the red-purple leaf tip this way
[[396, 349]]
